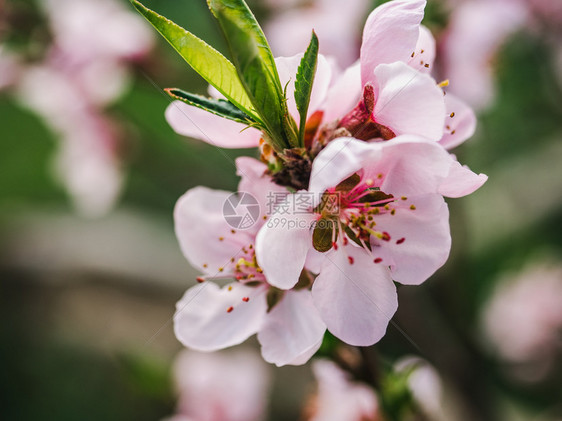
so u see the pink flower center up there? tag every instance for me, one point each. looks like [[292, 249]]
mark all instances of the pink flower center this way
[[352, 208]]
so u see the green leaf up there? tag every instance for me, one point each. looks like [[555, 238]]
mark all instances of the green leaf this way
[[304, 82], [255, 65], [218, 107], [203, 58]]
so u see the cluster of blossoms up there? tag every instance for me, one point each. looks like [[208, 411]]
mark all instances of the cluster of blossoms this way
[[358, 206], [346, 198], [84, 68]]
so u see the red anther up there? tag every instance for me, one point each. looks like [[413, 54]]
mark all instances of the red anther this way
[[351, 260], [335, 245], [385, 236], [246, 299], [400, 241], [345, 241], [200, 279], [239, 277], [377, 260], [229, 309]]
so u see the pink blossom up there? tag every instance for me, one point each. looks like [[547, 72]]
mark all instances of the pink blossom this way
[[425, 385], [388, 93], [209, 317], [523, 318], [390, 222], [98, 29], [400, 99], [229, 386], [337, 28], [85, 69], [339, 398], [87, 162], [469, 52]]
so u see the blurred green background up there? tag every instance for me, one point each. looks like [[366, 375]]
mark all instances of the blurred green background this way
[[86, 303]]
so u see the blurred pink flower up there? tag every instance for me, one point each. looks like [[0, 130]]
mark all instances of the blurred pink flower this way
[[425, 385], [476, 30], [229, 386], [10, 67], [87, 162], [390, 222], [337, 28], [339, 398], [85, 69], [523, 317], [89, 30], [208, 317]]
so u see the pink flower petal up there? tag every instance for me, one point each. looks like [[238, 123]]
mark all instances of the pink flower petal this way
[[199, 124], [410, 165], [234, 384], [337, 161], [460, 122], [424, 54], [461, 181], [339, 398], [343, 95], [209, 318], [205, 238], [420, 239], [390, 35], [408, 101], [292, 331], [283, 242], [356, 298], [256, 182], [337, 28]]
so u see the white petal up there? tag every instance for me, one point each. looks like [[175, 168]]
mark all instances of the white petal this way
[[203, 321], [292, 331], [200, 124], [408, 101], [356, 300]]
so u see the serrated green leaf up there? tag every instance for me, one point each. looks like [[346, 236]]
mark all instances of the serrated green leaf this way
[[304, 82], [255, 65], [218, 107], [204, 59]]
